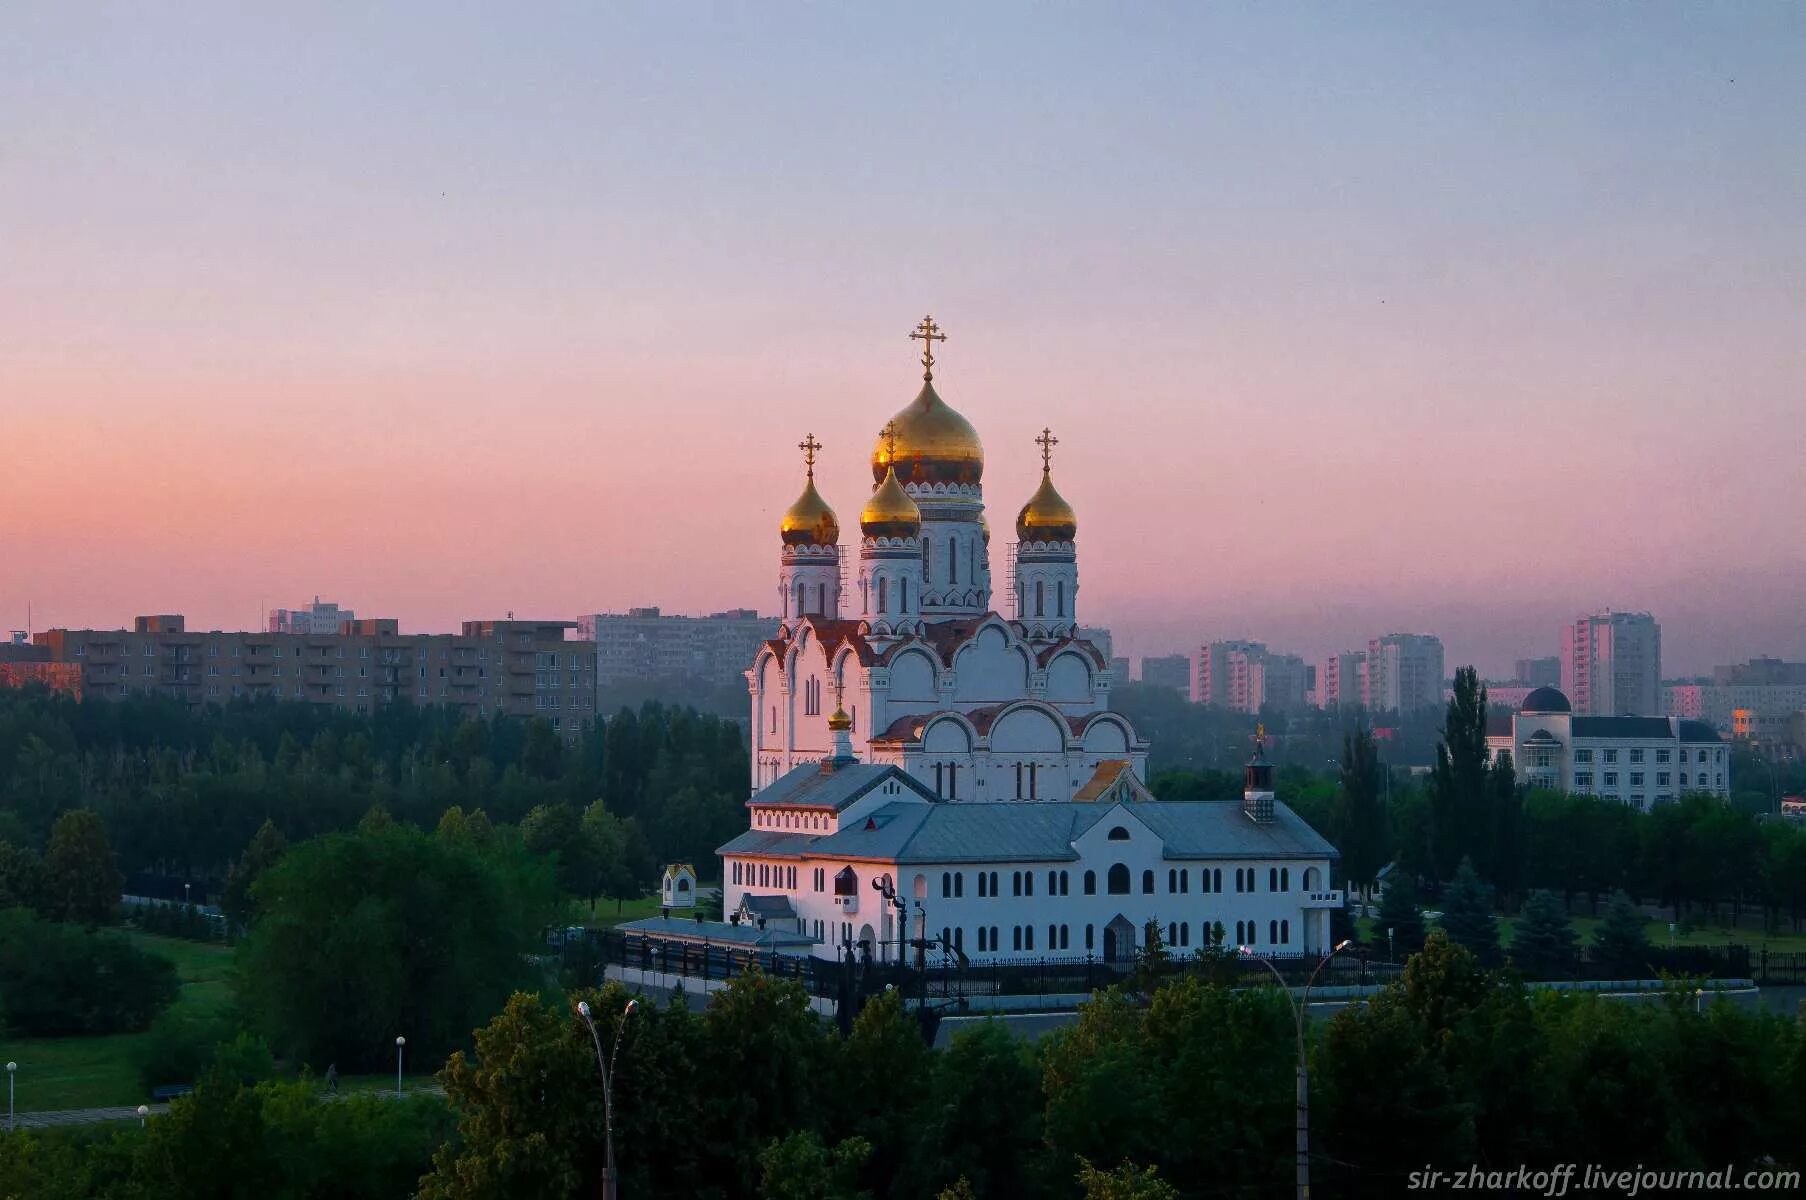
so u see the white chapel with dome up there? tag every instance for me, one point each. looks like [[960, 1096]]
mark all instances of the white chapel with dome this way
[[916, 751]]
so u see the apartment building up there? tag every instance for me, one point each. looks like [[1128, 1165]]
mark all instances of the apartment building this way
[[646, 644], [1611, 665], [317, 617], [1167, 670], [1404, 673], [520, 668], [1341, 680]]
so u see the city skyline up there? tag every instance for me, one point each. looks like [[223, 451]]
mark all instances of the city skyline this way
[[476, 332]]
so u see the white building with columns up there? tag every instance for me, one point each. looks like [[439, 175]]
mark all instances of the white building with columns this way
[[906, 734]]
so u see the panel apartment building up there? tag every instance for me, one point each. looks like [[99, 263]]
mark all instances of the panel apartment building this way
[[1611, 665], [646, 644], [520, 668], [1245, 676]]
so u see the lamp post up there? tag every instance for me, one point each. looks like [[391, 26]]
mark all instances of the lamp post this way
[[185, 893], [400, 1043], [143, 1114], [12, 1070], [1299, 1008], [605, 1068]]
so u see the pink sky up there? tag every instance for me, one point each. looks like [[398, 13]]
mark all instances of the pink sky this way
[[1465, 336]]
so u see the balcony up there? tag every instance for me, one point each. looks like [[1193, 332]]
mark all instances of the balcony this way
[[1329, 899]]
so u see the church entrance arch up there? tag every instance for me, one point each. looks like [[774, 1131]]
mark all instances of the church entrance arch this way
[[1119, 940], [868, 942]]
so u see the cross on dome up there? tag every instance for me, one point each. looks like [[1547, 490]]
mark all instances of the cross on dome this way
[[1047, 441], [928, 333], [809, 446]]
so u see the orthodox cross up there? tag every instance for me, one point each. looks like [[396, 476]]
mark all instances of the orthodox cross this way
[[928, 333], [1047, 441], [809, 446], [889, 434]]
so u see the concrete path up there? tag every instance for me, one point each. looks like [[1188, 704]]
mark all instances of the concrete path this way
[[83, 1116]]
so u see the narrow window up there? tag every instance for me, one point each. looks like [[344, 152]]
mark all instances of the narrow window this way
[[1060, 598], [959, 884], [1091, 883], [1040, 598], [1147, 883], [952, 562], [883, 596]]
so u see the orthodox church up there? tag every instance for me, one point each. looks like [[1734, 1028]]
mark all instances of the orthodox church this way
[[911, 741]]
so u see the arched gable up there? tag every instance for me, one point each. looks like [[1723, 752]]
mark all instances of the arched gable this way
[[1028, 728], [949, 733], [1108, 733], [913, 675], [992, 665], [1069, 677]]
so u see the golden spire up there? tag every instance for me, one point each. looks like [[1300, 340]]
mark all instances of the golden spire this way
[[809, 446], [928, 333], [1047, 517], [809, 522], [890, 512], [1047, 441]]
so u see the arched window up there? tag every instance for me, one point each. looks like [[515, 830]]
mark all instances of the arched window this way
[[1060, 598], [1040, 598], [1065, 937], [1272, 879], [994, 890], [1119, 880], [903, 595], [1172, 933], [1172, 880], [1053, 883], [927, 559], [1091, 883], [946, 886], [1090, 937], [1285, 933], [1015, 883], [952, 562], [1185, 933], [981, 885], [959, 939], [1273, 933], [1028, 937], [799, 597], [1285, 879], [1185, 879], [821, 598], [1117, 834], [1147, 883], [1053, 937], [1028, 883], [1241, 936], [1015, 937], [883, 596], [959, 884], [1216, 880]]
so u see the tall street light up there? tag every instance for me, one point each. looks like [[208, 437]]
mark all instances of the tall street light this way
[[12, 1070], [1299, 1007], [400, 1042], [606, 1070]]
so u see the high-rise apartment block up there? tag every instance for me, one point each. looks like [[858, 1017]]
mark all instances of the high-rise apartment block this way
[[1243, 676], [1611, 665], [519, 668], [1167, 670], [316, 618], [1538, 672], [1404, 673], [646, 644], [1341, 680]]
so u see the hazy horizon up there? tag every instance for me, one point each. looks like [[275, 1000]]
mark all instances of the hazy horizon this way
[[1454, 320]]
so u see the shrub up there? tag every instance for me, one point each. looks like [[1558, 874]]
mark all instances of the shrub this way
[[57, 980]]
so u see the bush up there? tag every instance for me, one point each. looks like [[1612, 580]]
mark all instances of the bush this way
[[177, 1050], [57, 980], [177, 920]]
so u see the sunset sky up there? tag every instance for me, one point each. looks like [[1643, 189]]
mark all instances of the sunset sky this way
[[1454, 318]]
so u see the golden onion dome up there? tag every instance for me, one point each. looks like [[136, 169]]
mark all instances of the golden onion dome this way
[[934, 444], [810, 522], [1047, 517], [890, 512]]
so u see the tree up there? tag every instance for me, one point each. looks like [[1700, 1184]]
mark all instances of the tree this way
[[800, 1167], [883, 1060], [621, 858], [21, 878], [81, 873], [980, 1119], [1467, 914], [265, 850], [364, 936], [59, 980], [556, 831], [1361, 829], [1126, 1181], [1400, 915], [1543, 944], [1152, 958], [1620, 944], [1458, 782]]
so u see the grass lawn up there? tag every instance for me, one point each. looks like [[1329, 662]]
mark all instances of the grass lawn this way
[[606, 916], [94, 1072]]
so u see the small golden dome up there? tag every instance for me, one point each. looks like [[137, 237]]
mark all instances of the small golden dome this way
[[839, 720], [1047, 517], [934, 444], [810, 522], [890, 512]]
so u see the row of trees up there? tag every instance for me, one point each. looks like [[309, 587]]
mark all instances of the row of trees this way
[[182, 791], [1184, 1092]]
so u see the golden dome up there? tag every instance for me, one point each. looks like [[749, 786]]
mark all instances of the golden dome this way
[[810, 522], [839, 720], [1047, 517], [934, 444], [890, 512]]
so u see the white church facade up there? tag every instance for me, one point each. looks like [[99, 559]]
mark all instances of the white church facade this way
[[924, 767]]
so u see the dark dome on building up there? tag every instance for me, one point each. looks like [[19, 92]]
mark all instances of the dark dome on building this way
[[1547, 700]]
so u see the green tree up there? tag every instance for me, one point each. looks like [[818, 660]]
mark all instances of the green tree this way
[[1152, 959], [980, 1120], [1459, 790], [556, 831], [1125, 1181], [1543, 943], [265, 850], [622, 861], [1399, 913], [881, 1070], [1467, 914], [800, 1167], [1620, 943], [81, 873], [365, 936], [21, 878], [1361, 828], [58, 980]]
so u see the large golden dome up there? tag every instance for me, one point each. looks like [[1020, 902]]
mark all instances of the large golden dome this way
[[934, 444], [810, 522], [1047, 517], [890, 512]]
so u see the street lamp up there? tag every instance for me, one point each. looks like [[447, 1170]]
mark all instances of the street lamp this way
[[12, 1070], [143, 1114], [400, 1042], [606, 1071], [1299, 1008], [185, 890]]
